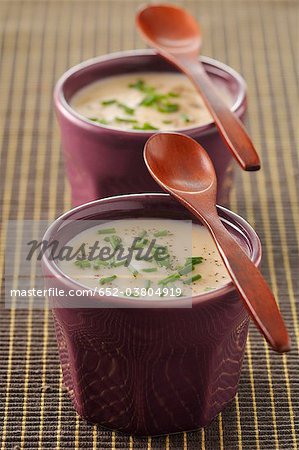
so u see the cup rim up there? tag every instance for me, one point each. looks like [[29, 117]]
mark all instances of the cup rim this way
[[75, 117], [234, 219]]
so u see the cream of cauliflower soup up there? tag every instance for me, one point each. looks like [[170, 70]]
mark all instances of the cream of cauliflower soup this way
[[146, 258], [144, 102]]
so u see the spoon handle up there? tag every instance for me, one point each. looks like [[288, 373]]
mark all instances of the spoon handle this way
[[252, 287], [230, 127]]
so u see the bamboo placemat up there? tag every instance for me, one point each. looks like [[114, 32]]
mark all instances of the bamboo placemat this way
[[39, 40]]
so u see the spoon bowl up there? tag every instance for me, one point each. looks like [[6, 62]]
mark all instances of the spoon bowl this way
[[194, 173], [157, 23]]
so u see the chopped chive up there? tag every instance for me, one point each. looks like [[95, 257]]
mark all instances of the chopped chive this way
[[150, 269], [164, 262], [189, 264], [192, 279], [118, 263], [170, 279], [133, 270], [139, 84], [114, 240], [108, 102], [102, 121], [142, 234], [162, 233], [145, 126], [166, 107], [98, 263], [141, 243], [194, 260], [82, 263], [167, 122], [126, 108], [186, 269], [106, 280], [123, 119], [159, 102], [208, 289], [107, 231], [152, 99], [173, 94]]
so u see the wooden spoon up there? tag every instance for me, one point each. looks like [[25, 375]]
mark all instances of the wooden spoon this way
[[182, 167], [174, 33]]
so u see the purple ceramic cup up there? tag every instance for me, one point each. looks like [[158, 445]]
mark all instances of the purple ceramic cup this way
[[150, 371], [101, 161]]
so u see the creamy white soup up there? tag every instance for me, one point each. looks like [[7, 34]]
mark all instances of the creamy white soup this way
[[146, 258], [144, 102]]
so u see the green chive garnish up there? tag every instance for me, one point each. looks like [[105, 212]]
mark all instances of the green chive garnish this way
[[123, 119], [141, 86], [99, 263], [108, 102], [126, 108], [165, 262], [194, 260], [107, 231], [141, 243], [152, 99], [145, 126], [189, 264], [114, 240], [138, 85], [186, 269], [106, 280], [118, 263], [170, 279], [150, 269], [162, 233], [173, 94], [168, 107], [192, 279], [95, 119], [82, 263], [142, 234]]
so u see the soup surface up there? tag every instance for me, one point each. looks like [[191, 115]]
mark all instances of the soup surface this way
[[171, 258], [144, 102]]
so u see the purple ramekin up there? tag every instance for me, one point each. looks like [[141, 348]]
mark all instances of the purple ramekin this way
[[149, 371], [101, 161]]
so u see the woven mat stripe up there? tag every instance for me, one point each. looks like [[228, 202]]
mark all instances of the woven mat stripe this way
[[23, 189], [219, 46], [247, 197], [12, 147], [54, 181], [232, 33]]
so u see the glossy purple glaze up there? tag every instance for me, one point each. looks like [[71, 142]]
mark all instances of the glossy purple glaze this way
[[101, 162], [150, 371]]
